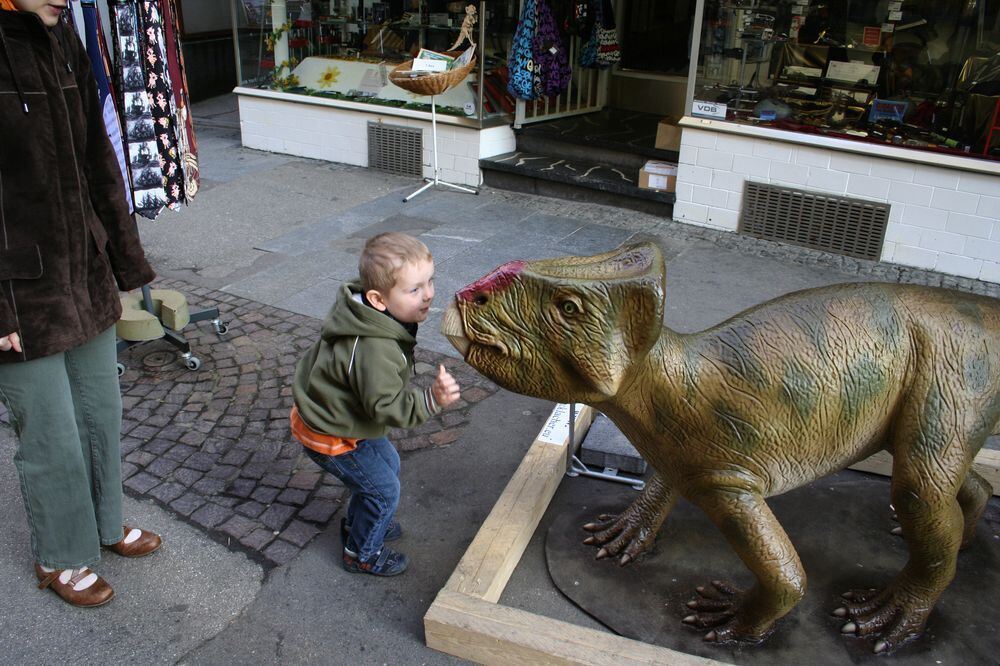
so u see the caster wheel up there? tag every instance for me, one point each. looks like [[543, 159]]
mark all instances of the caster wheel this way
[[121, 368], [192, 362], [221, 328]]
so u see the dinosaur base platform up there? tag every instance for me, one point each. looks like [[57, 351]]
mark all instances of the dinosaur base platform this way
[[840, 527]]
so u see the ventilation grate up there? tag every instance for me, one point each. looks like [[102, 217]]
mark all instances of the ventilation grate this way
[[395, 149], [853, 227]]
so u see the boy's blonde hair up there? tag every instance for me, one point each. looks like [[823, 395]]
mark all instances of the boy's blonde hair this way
[[384, 255]]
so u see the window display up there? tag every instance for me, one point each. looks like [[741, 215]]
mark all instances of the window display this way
[[345, 49], [922, 74]]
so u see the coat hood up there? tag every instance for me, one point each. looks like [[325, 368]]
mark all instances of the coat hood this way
[[350, 316]]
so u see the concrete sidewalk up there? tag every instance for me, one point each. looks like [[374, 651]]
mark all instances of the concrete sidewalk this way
[[250, 571]]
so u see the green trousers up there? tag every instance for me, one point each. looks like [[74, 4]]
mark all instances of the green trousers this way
[[67, 412]]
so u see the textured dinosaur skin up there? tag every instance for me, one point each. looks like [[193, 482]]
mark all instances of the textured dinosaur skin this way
[[771, 399]]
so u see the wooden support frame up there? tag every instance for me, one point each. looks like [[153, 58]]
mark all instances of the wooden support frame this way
[[465, 619]]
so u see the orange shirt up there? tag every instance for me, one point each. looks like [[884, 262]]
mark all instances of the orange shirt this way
[[8, 5], [330, 445]]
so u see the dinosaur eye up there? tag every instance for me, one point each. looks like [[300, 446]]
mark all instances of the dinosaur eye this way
[[480, 299], [569, 308]]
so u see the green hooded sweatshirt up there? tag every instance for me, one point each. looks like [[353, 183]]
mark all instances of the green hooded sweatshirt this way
[[353, 382]]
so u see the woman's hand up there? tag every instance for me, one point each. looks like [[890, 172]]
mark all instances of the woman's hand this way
[[12, 341]]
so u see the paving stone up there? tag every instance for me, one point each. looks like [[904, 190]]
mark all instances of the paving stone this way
[[180, 452], [210, 515], [276, 516], [186, 476], [201, 461], [299, 533], [258, 539], [281, 552], [143, 432], [157, 446], [241, 487], [209, 486], [140, 458], [225, 472], [162, 467], [186, 504], [167, 491], [319, 510], [305, 479], [238, 527], [275, 480], [235, 457], [250, 509], [141, 482], [293, 496], [265, 494], [128, 469]]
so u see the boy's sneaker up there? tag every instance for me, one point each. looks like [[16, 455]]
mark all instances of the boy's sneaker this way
[[394, 532], [387, 562]]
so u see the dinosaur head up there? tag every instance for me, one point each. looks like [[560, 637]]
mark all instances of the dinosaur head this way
[[565, 329]]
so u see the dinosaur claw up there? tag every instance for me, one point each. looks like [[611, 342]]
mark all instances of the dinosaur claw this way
[[711, 636], [626, 558], [896, 530], [840, 612], [590, 541], [849, 628], [690, 619], [880, 647], [692, 604], [602, 553]]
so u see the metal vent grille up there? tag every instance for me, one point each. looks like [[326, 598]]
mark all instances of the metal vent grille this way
[[853, 227], [395, 149]]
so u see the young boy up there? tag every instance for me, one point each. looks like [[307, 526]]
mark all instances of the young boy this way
[[351, 387]]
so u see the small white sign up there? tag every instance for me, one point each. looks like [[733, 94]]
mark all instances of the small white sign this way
[[429, 65], [888, 27], [709, 110], [895, 16], [469, 108], [895, 6], [556, 429]]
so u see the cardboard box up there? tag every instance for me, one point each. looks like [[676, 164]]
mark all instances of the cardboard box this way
[[668, 134], [659, 176]]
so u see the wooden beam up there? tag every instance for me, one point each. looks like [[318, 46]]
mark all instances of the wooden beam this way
[[494, 553], [488, 633], [987, 463]]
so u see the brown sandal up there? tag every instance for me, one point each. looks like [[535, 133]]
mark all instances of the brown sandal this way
[[147, 543], [97, 594]]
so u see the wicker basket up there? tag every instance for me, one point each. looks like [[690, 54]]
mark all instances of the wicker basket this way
[[429, 84]]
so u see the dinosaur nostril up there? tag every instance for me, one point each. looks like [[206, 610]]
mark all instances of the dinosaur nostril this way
[[480, 299]]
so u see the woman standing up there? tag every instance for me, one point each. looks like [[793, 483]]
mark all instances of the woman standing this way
[[66, 239]]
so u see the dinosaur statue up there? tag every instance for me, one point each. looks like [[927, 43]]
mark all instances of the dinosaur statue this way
[[772, 399]]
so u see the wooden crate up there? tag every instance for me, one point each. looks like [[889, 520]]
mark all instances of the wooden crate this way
[[465, 619]]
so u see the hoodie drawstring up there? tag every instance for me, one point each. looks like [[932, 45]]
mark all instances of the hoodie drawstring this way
[[13, 71]]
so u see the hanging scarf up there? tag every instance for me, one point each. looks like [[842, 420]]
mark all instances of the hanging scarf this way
[[140, 133], [160, 93], [186, 142], [97, 50], [550, 55], [521, 59]]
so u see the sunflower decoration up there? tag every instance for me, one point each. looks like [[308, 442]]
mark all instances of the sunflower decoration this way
[[329, 77]]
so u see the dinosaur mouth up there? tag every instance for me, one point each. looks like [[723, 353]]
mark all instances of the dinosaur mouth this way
[[451, 328]]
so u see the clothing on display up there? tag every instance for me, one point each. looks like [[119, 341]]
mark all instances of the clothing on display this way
[[602, 48], [184, 124], [551, 57], [521, 60]]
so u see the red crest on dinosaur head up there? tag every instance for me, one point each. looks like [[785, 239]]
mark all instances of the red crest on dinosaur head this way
[[496, 281]]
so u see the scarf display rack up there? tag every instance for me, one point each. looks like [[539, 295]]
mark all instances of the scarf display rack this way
[[144, 92]]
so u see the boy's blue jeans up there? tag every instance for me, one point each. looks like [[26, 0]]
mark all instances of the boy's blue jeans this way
[[371, 472]]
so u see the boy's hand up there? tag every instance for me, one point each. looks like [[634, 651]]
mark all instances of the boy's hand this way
[[445, 388]]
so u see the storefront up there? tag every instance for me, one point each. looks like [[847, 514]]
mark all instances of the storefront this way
[[865, 128]]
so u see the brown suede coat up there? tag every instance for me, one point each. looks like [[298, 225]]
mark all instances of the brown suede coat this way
[[66, 236]]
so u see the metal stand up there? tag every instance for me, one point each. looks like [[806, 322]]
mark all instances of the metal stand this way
[[576, 467], [174, 337], [431, 182]]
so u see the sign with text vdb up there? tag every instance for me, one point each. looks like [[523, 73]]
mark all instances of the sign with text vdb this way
[[709, 110]]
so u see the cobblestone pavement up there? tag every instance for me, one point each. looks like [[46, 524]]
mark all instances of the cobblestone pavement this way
[[213, 445]]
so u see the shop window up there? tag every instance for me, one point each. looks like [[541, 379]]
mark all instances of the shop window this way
[[344, 49], [922, 74], [656, 35]]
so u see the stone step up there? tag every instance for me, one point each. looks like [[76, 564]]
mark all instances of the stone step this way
[[574, 179]]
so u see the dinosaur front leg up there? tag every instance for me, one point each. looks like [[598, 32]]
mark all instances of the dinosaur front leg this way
[[633, 531], [757, 537]]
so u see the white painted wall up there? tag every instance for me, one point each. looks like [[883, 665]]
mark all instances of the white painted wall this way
[[940, 219], [326, 132]]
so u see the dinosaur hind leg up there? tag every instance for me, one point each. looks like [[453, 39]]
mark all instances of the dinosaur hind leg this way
[[973, 497]]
